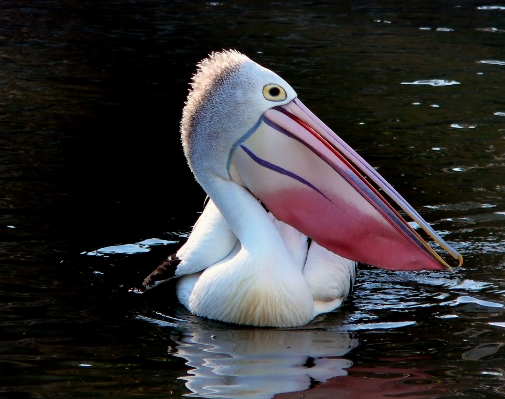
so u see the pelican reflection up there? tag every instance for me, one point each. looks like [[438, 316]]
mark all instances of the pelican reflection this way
[[259, 363]]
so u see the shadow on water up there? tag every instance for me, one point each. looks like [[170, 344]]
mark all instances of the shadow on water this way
[[94, 192]]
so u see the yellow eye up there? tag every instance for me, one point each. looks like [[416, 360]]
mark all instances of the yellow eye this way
[[274, 93]]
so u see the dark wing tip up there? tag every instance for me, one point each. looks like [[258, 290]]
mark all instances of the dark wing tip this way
[[164, 272]]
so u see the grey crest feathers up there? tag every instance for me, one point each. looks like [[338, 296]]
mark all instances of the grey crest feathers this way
[[212, 91], [217, 67]]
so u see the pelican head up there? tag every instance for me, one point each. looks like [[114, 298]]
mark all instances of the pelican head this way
[[229, 95], [244, 126]]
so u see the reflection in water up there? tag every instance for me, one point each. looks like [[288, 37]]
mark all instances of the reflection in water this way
[[259, 363], [227, 361], [373, 383]]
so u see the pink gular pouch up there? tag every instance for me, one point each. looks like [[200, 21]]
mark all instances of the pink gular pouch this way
[[311, 179]]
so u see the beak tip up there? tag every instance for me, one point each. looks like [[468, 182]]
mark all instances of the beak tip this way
[[460, 260]]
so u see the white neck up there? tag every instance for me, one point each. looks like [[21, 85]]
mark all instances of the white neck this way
[[249, 221]]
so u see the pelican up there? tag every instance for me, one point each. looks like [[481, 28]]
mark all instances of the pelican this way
[[292, 207]]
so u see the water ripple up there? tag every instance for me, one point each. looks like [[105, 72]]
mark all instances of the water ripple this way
[[497, 323], [462, 206], [376, 326], [468, 299], [491, 8], [125, 249], [494, 30], [129, 249], [492, 62], [433, 82], [462, 126], [470, 285]]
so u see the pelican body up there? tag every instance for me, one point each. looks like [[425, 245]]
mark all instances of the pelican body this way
[[292, 207]]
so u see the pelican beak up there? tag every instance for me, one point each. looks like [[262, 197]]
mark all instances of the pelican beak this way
[[311, 179]]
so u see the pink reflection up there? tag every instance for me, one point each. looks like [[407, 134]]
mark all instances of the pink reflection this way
[[372, 383]]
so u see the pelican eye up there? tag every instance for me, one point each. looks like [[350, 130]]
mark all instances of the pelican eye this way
[[274, 93]]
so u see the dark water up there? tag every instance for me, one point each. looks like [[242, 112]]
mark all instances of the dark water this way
[[90, 99]]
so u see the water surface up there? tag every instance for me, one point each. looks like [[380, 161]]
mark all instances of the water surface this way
[[95, 192]]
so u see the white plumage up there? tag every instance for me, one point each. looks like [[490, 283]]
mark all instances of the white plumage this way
[[276, 280]]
